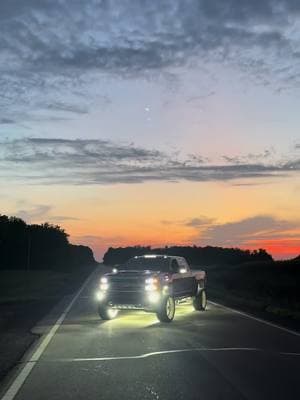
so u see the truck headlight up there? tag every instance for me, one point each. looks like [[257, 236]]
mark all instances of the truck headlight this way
[[151, 284], [104, 286], [151, 288], [153, 279], [104, 283]]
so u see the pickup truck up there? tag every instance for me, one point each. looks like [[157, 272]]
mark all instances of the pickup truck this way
[[154, 283]]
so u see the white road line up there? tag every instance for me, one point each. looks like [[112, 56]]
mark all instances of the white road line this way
[[25, 371], [163, 352], [256, 319], [156, 353]]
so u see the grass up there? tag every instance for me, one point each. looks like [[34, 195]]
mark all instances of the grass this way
[[266, 287], [21, 286]]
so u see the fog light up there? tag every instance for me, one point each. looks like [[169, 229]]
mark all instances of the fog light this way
[[153, 297], [100, 295]]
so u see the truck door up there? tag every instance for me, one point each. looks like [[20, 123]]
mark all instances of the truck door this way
[[178, 282], [189, 283]]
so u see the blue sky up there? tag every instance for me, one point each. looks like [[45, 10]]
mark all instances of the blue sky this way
[[117, 95]]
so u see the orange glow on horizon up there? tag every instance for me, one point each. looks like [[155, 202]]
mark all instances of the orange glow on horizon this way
[[280, 248], [160, 214]]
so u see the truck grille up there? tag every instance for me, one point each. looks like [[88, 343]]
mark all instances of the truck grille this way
[[133, 298], [128, 284]]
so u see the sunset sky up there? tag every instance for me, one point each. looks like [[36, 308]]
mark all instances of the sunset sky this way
[[153, 122]]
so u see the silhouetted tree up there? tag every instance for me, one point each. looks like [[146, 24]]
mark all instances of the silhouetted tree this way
[[44, 246], [195, 255]]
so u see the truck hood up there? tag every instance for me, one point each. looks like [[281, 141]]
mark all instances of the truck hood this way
[[133, 273]]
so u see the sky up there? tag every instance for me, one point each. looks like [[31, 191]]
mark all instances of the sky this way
[[163, 122]]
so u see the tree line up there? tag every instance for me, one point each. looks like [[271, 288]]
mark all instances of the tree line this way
[[195, 255], [38, 246]]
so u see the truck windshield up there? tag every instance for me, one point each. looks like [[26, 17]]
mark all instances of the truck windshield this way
[[143, 263]]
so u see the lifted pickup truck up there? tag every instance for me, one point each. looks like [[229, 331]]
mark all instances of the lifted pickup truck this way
[[154, 283]]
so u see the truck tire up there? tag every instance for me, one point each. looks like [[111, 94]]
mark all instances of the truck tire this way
[[106, 312], [200, 300], [166, 310]]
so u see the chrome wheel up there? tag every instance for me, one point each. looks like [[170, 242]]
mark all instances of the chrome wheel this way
[[170, 308], [112, 313], [203, 299], [200, 300], [166, 309], [106, 312]]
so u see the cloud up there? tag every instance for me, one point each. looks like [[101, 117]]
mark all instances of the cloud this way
[[199, 222], [61, 218], [69, 108], [6, 121], [41, 213], [92, 161], [266, 155], [281, 237], [250, 230], [35, 213], [81, 41]]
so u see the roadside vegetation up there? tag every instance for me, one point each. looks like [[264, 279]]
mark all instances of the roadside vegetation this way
[[38, 267], [193, 254], [271, 287], [28, 286], [39, 247]]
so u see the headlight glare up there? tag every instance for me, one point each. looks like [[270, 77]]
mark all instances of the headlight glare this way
[[154, 297], [104, 286], [100, 295], [151, 280]]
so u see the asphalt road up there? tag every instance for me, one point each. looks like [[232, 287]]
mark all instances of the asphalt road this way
[[216, 354]]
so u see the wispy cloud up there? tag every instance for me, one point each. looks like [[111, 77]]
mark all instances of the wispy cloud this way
[[34, 213], [84, 161], [6, 121], [41, 213], [267, 155], [80, 41], [197, 222], [249, 231]]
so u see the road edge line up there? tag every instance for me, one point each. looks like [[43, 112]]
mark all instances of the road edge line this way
[[263, 321], [21, 377]]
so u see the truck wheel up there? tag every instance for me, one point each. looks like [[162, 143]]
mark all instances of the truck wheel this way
[[166, 310], [106, 312], [200, 300]]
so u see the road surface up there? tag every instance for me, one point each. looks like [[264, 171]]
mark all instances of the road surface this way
[[216, 354]]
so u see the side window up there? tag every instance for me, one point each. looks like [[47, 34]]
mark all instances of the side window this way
[[174, 266], [183, 263]]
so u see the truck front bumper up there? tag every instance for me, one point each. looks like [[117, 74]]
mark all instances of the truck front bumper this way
[[132, 300]]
